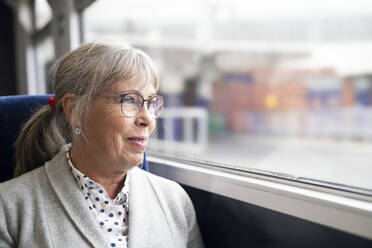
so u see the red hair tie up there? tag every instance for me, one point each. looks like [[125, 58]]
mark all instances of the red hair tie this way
[[52, 102]]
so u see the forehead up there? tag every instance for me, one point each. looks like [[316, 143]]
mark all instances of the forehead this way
[[145, 87]]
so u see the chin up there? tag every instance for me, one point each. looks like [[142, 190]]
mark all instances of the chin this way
[[135, 160]]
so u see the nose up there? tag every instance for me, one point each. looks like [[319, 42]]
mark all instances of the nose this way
[[145, 118]]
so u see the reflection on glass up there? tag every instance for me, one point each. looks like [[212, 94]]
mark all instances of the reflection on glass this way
[[269, 86]]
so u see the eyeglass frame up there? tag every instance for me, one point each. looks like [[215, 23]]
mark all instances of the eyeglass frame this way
[[148, 100]]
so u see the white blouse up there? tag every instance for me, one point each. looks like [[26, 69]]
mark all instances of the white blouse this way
[[111, 215]]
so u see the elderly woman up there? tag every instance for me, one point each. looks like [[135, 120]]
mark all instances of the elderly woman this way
[[90, 192]]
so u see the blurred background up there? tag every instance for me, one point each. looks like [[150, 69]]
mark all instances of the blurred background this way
[[279, 87]]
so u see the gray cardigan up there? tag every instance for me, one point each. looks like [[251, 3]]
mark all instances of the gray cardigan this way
[[45, 208]]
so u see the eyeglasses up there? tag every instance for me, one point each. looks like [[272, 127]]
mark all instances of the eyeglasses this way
[[132, 104]]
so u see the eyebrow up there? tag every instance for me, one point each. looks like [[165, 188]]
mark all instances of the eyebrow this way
[[129, 92]]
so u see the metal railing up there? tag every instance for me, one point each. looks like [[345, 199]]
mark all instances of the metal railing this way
[[181, 129]]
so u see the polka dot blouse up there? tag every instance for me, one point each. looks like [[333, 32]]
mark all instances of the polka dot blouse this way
[[110, 214]]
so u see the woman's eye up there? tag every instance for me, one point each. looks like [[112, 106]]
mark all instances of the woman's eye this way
[[129, 100]]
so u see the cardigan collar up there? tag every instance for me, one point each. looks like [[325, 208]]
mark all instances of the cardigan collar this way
[[71, 198]]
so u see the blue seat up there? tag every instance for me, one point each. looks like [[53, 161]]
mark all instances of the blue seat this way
[[14, 112]]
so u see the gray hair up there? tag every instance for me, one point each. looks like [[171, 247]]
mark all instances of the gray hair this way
[[84, 72]]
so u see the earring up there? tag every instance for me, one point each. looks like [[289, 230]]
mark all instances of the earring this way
[[77, 131]]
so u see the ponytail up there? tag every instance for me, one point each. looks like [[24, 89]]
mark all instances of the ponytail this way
[[40, 140]]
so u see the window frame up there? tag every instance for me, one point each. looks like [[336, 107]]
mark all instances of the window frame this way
[[345, 211]]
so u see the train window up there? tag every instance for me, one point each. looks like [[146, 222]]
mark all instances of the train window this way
[[43, 13], [44, 60], [281, 87]]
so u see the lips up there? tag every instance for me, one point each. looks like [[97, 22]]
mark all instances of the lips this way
[[139, 141], [142, 141]]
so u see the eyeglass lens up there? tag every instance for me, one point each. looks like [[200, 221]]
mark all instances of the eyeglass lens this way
[[131, 105]]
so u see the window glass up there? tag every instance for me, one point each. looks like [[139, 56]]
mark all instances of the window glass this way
[[44, 61], [277, 86], [43, 13]]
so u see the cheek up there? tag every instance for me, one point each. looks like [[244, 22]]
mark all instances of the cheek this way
[[108, 130], [119, 129], [152, 126], [114, 141]]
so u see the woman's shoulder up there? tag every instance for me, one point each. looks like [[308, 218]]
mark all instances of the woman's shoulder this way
[[175, 202], [28, 181], [159, 181], [165, 189], [19, 186]]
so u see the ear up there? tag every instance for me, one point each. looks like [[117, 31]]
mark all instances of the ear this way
[[68, 103]]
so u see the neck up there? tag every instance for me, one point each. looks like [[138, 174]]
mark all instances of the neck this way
[[99, 170]]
